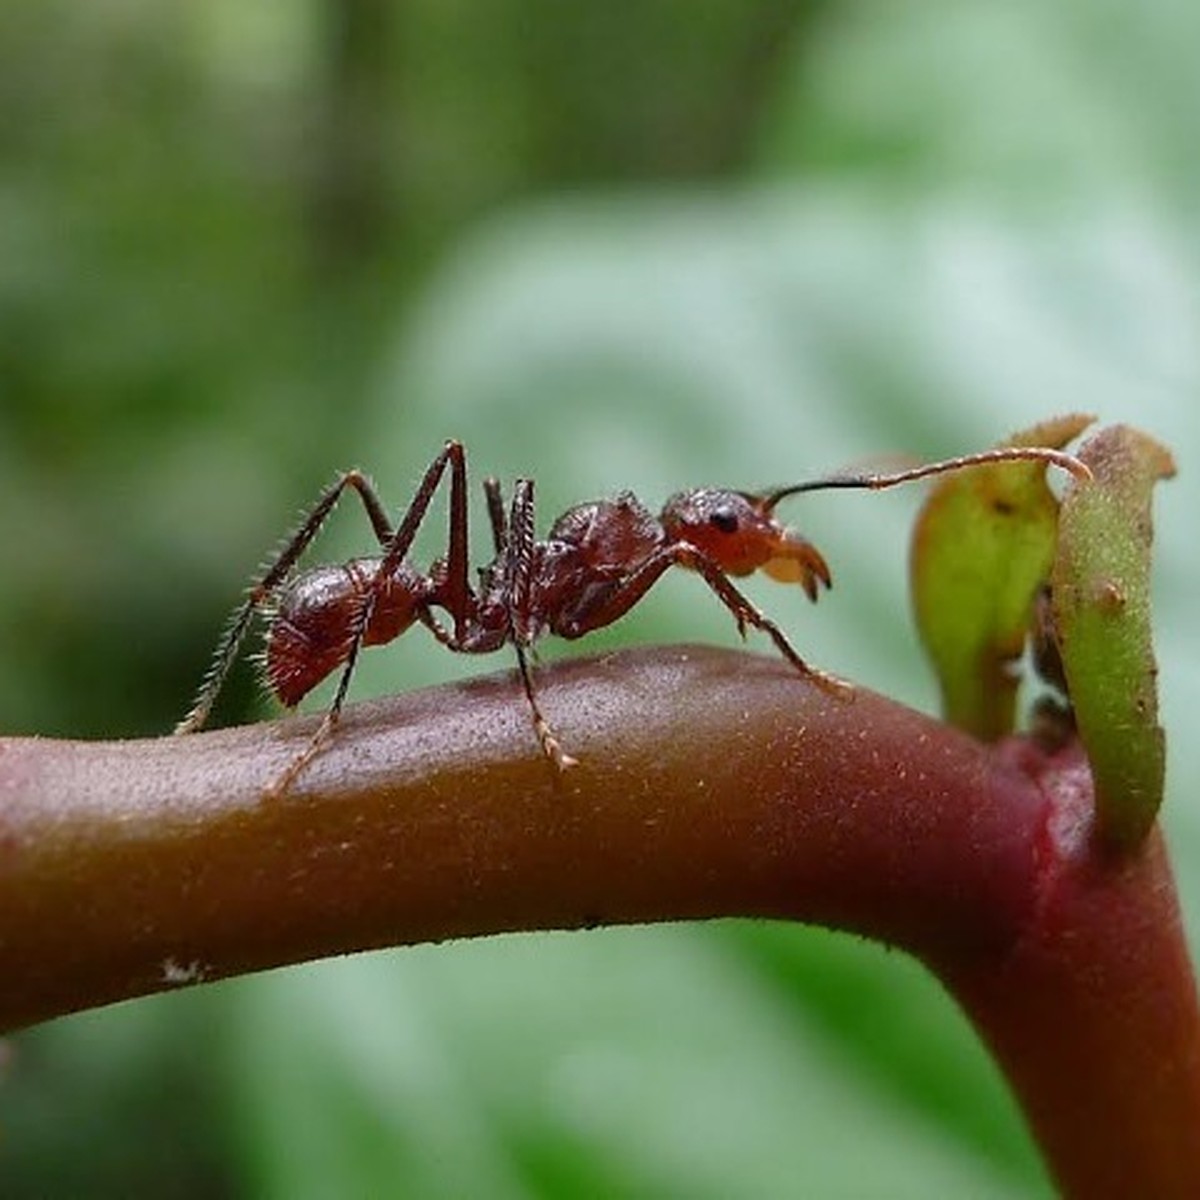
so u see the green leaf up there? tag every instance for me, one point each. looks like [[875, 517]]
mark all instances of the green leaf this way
[[982, 548], [1101, 604]]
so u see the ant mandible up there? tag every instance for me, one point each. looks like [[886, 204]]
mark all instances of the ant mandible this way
[[597, 562]]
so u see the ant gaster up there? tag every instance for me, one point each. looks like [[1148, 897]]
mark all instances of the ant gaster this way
[[598, 560]]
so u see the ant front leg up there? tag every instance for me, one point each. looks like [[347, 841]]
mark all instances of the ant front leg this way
[[459, 598], [615, 602], [276, 573]]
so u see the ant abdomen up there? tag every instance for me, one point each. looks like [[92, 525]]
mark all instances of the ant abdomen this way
[[312, 625]]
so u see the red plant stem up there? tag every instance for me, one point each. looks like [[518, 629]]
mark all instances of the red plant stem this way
[[710, 784], [1093, 1011]]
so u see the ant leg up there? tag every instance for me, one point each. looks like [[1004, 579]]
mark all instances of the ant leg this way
[[627, 592], [518, 562], [276, 573], [746, 613], [458, 598], [517, 542], [439, 631], [495, 508], [324, 731], [395, 550], [551, 746]]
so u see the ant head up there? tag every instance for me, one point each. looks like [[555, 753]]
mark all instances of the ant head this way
[[738, 532]]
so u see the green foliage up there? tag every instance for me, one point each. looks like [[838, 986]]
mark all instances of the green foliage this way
[[841, 231], [1101, 589], [982, 548]]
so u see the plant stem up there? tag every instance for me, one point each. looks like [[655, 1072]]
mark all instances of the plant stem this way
[[710, 784], [1093, 1012]]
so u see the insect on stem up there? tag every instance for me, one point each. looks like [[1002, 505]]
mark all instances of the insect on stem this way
[[596, 563]]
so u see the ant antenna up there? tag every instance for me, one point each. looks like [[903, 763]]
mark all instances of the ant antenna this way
[[1056, 458]]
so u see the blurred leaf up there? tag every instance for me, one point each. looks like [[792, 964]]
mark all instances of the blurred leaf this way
[[982, 547], [639, 1063], [898, 1029], [120, 1102], [1010, 100], [964, 216], [1101, 603]]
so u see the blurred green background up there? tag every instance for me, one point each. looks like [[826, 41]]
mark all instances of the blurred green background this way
[[647, 245]]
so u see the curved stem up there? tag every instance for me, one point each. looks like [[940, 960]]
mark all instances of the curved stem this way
[[709, 784], [1093, 1011]]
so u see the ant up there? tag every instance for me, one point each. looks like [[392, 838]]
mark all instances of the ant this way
[[598, 560]]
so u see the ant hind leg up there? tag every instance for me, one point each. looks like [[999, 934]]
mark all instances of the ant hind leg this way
[[396, 546], [325, 730], [276, 572]]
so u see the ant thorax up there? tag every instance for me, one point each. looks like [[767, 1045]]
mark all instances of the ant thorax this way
[[609, 534]]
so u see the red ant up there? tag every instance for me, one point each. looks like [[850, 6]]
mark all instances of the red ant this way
[[597, 562]]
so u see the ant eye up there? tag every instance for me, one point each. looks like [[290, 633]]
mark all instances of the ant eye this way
[[724, 519]]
